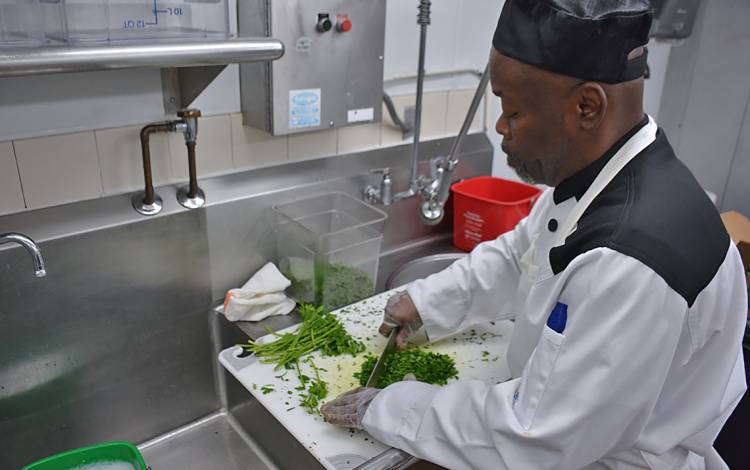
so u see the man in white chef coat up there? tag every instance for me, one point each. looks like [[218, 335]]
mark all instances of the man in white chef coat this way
[[628, 295]]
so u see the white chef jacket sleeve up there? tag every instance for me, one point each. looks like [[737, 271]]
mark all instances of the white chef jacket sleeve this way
[[582, 395], [480, 287]]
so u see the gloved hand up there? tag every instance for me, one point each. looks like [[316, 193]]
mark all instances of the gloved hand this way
[[349, 409], [400, 311]]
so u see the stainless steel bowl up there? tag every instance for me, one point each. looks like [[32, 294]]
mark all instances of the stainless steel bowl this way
[[420, 268]]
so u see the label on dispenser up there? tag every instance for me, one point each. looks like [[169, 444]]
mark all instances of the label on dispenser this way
[[361, 115], [304, 108]]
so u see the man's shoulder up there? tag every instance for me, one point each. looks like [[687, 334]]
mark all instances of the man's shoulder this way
[[656, 212]]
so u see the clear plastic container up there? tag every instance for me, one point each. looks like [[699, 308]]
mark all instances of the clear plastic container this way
[[116, 20], [329, 247], [21, 23]]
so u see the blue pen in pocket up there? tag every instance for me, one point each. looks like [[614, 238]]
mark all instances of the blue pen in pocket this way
[[558, 317]]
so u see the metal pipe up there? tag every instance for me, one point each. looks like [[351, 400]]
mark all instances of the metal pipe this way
[[190, 196], [149, 194], [406, 130], [193, 184], [423, 19], [175, 53], [31, 247], [478, 95], [435, 74]]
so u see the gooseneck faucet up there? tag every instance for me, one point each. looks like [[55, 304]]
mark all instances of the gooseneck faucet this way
[[31, 247], [148, 202]]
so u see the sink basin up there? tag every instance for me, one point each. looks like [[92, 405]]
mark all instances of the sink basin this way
[[420, 268]]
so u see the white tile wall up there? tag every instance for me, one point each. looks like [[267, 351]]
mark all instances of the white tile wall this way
[[213, 151], [59, 169], [253, 148], [390, 133], [358, 138], [121, 162], [73, 167], [434, 118], [434, 115], [11, 195], [458, 105], [312, 144]]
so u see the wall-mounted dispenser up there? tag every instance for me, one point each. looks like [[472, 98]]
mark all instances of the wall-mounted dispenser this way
[[331, 74], [674, 19]]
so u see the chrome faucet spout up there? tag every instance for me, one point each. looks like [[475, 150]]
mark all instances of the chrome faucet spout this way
[[30, 246]]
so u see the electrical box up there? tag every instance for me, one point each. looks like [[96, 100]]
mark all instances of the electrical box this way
[[674, 19], [331, 74]]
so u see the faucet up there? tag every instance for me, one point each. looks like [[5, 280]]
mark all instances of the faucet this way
[[433, 191], [373, 195], [148, 202], [31, 247]]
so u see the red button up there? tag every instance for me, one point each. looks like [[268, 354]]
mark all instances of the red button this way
[[345, 26]]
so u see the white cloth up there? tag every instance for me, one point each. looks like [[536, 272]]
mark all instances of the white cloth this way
[[260, 297], [621, 388]]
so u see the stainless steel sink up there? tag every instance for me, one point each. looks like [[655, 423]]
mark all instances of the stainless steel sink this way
[[420, 268]]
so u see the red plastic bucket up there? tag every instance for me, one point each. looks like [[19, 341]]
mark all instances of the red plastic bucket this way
[[485, 207]]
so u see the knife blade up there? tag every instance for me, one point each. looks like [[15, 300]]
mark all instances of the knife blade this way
[[377, 371]]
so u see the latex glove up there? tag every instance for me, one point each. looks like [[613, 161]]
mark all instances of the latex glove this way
[[400, 311], [348, 410]]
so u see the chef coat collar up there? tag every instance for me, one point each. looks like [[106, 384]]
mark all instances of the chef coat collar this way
[[577, 184]]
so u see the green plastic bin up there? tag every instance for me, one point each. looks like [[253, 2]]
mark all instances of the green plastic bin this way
[[99, 453]]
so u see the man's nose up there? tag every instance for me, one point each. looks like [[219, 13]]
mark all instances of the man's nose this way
[[502, 127]]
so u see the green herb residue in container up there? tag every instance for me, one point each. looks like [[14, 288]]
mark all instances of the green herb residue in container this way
[[331, 285]]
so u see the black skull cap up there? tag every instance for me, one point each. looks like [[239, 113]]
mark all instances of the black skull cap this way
[[585, 39]]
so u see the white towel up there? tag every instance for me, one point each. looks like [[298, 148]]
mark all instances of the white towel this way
[[262, 296]]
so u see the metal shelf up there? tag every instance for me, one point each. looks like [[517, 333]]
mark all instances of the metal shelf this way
[[187, 66], [162, 54]]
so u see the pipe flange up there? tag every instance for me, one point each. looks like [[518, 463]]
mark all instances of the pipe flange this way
[[146, 209], [191, 202]]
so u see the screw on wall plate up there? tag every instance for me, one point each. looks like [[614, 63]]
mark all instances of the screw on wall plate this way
[[331, 124]]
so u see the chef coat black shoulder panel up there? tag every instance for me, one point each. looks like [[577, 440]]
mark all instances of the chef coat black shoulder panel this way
[[656, 212]]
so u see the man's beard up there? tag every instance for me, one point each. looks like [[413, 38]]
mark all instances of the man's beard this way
[[529, 171]]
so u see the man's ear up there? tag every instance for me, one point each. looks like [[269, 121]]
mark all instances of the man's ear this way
[[591, 105]]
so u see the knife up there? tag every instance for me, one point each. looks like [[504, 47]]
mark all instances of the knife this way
[[377, 371]]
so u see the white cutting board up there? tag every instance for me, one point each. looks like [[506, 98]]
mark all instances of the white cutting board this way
[[479, 354]]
